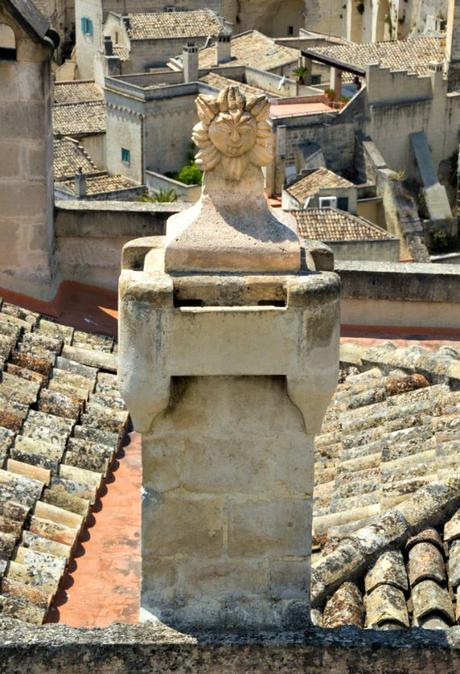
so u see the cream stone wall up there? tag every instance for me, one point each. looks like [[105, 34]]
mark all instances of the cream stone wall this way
[[26, 180], [169, 123], [443, 315], [145, 54], [227, 479], [427, 107], [88, 46], [377, 20], [125, 130], [274, 17]]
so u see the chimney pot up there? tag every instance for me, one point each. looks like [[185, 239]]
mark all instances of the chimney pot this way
[[190, 62], [80, 183], [224, 49]]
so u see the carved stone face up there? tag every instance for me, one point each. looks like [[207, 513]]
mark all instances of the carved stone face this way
[[233, 135]]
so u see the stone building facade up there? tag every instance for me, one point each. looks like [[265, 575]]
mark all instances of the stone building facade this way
[[26, 171], [147, 40], [90, 16], [377, 20], [153, 124]]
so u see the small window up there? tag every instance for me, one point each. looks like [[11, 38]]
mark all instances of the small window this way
[[342, 203], [7, 43], [116, 37], [328, 202], [86, 26], [125, 156], [290, 30], [290, 173], [316, 79]]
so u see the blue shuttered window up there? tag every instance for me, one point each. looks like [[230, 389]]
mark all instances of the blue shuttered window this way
[[86, 26]]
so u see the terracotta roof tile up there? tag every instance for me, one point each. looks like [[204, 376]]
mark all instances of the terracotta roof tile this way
[[413, 56], [121, 52], [104, 183], [172, 25], [220, 82], [314, 181], [253, 49], [329, 224], [53, 457], [78, 91], [69, 156], [345, 607], [392, 489], [79, 119]]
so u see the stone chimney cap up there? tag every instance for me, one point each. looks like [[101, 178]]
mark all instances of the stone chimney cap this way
[[234, 138]]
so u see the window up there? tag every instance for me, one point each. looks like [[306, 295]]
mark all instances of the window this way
[[316, 79], [125, 156], [328, 202], [290, 30], [86, 26], [7, 43], [342, 203], [290, 173]]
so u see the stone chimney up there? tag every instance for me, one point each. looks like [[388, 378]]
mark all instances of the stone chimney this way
[[228, 358], [108, 45], [224, 49], [190, 62], [80, 183]]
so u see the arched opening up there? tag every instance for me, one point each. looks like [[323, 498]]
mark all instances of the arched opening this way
[[7, 43]]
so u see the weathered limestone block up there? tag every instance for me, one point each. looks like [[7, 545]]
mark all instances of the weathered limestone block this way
[[227, 372]]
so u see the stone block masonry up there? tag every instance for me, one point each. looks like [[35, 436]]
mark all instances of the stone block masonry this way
[[26, 181], [232, 492]]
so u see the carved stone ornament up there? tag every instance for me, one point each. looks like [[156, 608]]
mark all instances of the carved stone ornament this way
[[233, 132], [232, 227]]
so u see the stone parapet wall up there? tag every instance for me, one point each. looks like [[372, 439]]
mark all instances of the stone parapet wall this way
[[400, 295], [91, 234], [123, 649]]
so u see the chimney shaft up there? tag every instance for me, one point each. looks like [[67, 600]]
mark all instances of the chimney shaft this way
[[190, 61], [108, 45], [224, 49], [80, 183]]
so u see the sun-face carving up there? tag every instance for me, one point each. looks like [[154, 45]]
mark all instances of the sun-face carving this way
[[233, 132]]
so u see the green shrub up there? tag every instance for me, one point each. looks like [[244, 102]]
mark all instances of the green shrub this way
[[190, 175]]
